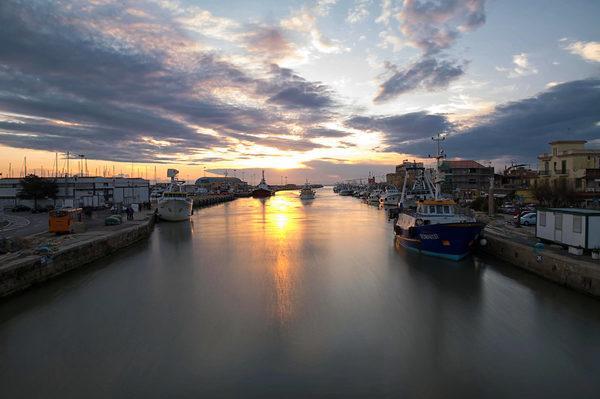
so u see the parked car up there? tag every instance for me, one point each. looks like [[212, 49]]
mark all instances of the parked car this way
[[21, 208], [529, 219], [521, 214]]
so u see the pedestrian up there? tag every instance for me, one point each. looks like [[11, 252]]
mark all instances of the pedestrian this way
[[129, 213]]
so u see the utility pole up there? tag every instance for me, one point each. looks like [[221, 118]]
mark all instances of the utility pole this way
[[491, 197], [25, 166]]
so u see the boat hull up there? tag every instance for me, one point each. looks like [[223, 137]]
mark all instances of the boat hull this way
[[446, 240], [261, 193], [175, 210]]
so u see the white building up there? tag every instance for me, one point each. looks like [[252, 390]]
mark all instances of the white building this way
[[577, 228], [82, 191]]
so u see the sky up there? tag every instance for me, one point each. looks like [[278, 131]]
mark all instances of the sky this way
[[322, 90]]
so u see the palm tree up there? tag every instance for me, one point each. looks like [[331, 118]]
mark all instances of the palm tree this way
[[34, 187]]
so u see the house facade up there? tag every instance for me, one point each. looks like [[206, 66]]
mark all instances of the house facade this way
[[571, 161]]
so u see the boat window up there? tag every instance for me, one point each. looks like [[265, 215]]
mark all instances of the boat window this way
[[439, 209], [446, 209], [431, 208]]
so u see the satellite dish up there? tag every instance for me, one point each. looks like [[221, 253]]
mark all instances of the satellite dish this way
[[172, 172]]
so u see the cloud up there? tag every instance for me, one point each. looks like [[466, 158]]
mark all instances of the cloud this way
[[426, 74], [523, 66], [589, 51], [321, 132], [433, 26], [386, 12], [430, 26], [271, 43], [522, 129], [292, 91], [305, 21], [116, 82], [359, 12], [402, 131]]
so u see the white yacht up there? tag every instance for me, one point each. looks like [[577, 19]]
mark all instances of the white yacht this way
[[174, 205], [307, 192]]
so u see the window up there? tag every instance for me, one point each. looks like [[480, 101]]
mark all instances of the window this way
[[431, 208], [577, 224], [563, 167], [439, 209], [542, 218], [554, 151], [446, 209], [558, 221]]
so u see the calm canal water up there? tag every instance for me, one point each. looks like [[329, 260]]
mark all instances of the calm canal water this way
[[287, 299]]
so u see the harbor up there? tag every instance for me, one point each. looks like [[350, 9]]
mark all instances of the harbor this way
[[299, 199], [287, 298]]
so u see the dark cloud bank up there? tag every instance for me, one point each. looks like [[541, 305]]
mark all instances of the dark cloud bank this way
[[519, 129]]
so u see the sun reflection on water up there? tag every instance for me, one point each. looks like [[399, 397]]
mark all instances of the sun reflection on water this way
[[282, 214]]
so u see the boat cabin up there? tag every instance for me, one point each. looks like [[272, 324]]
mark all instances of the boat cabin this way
[[436, 207]]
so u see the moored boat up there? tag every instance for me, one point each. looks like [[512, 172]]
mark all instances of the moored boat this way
[[262, 190], [174, 205], [437, 226], [307, 192]]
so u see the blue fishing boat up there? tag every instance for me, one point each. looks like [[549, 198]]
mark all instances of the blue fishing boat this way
[[437, 226]]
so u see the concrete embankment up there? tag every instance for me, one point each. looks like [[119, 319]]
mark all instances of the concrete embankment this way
[[579, 274], [21, 273]]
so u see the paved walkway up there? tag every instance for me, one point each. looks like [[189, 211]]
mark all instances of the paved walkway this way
[[24, 224]]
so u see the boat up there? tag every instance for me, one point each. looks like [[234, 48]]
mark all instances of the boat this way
[[175, 205], [346, 191], [437, 227], [307, 192], [373, 197], [390, 197], [262, 190]]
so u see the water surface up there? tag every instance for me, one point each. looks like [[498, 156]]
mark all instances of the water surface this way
[[280, 298]]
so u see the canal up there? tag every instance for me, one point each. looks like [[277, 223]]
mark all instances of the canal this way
[[282, 299]]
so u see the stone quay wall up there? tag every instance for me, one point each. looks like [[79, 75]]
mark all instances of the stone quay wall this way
[[581, 275], [22, 273]]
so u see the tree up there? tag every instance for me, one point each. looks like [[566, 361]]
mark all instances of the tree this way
[[561, 193], [34, 187]]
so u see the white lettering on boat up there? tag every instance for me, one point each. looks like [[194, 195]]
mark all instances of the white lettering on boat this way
[[429, 236]]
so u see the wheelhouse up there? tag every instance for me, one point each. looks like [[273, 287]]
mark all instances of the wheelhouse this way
[[436, 208]]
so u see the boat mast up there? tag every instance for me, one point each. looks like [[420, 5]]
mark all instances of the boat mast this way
[[440, 155]]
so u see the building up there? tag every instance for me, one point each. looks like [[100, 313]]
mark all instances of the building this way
[[571, 161], [222, 184], [466, 175], [396, 179], [81, 192]]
